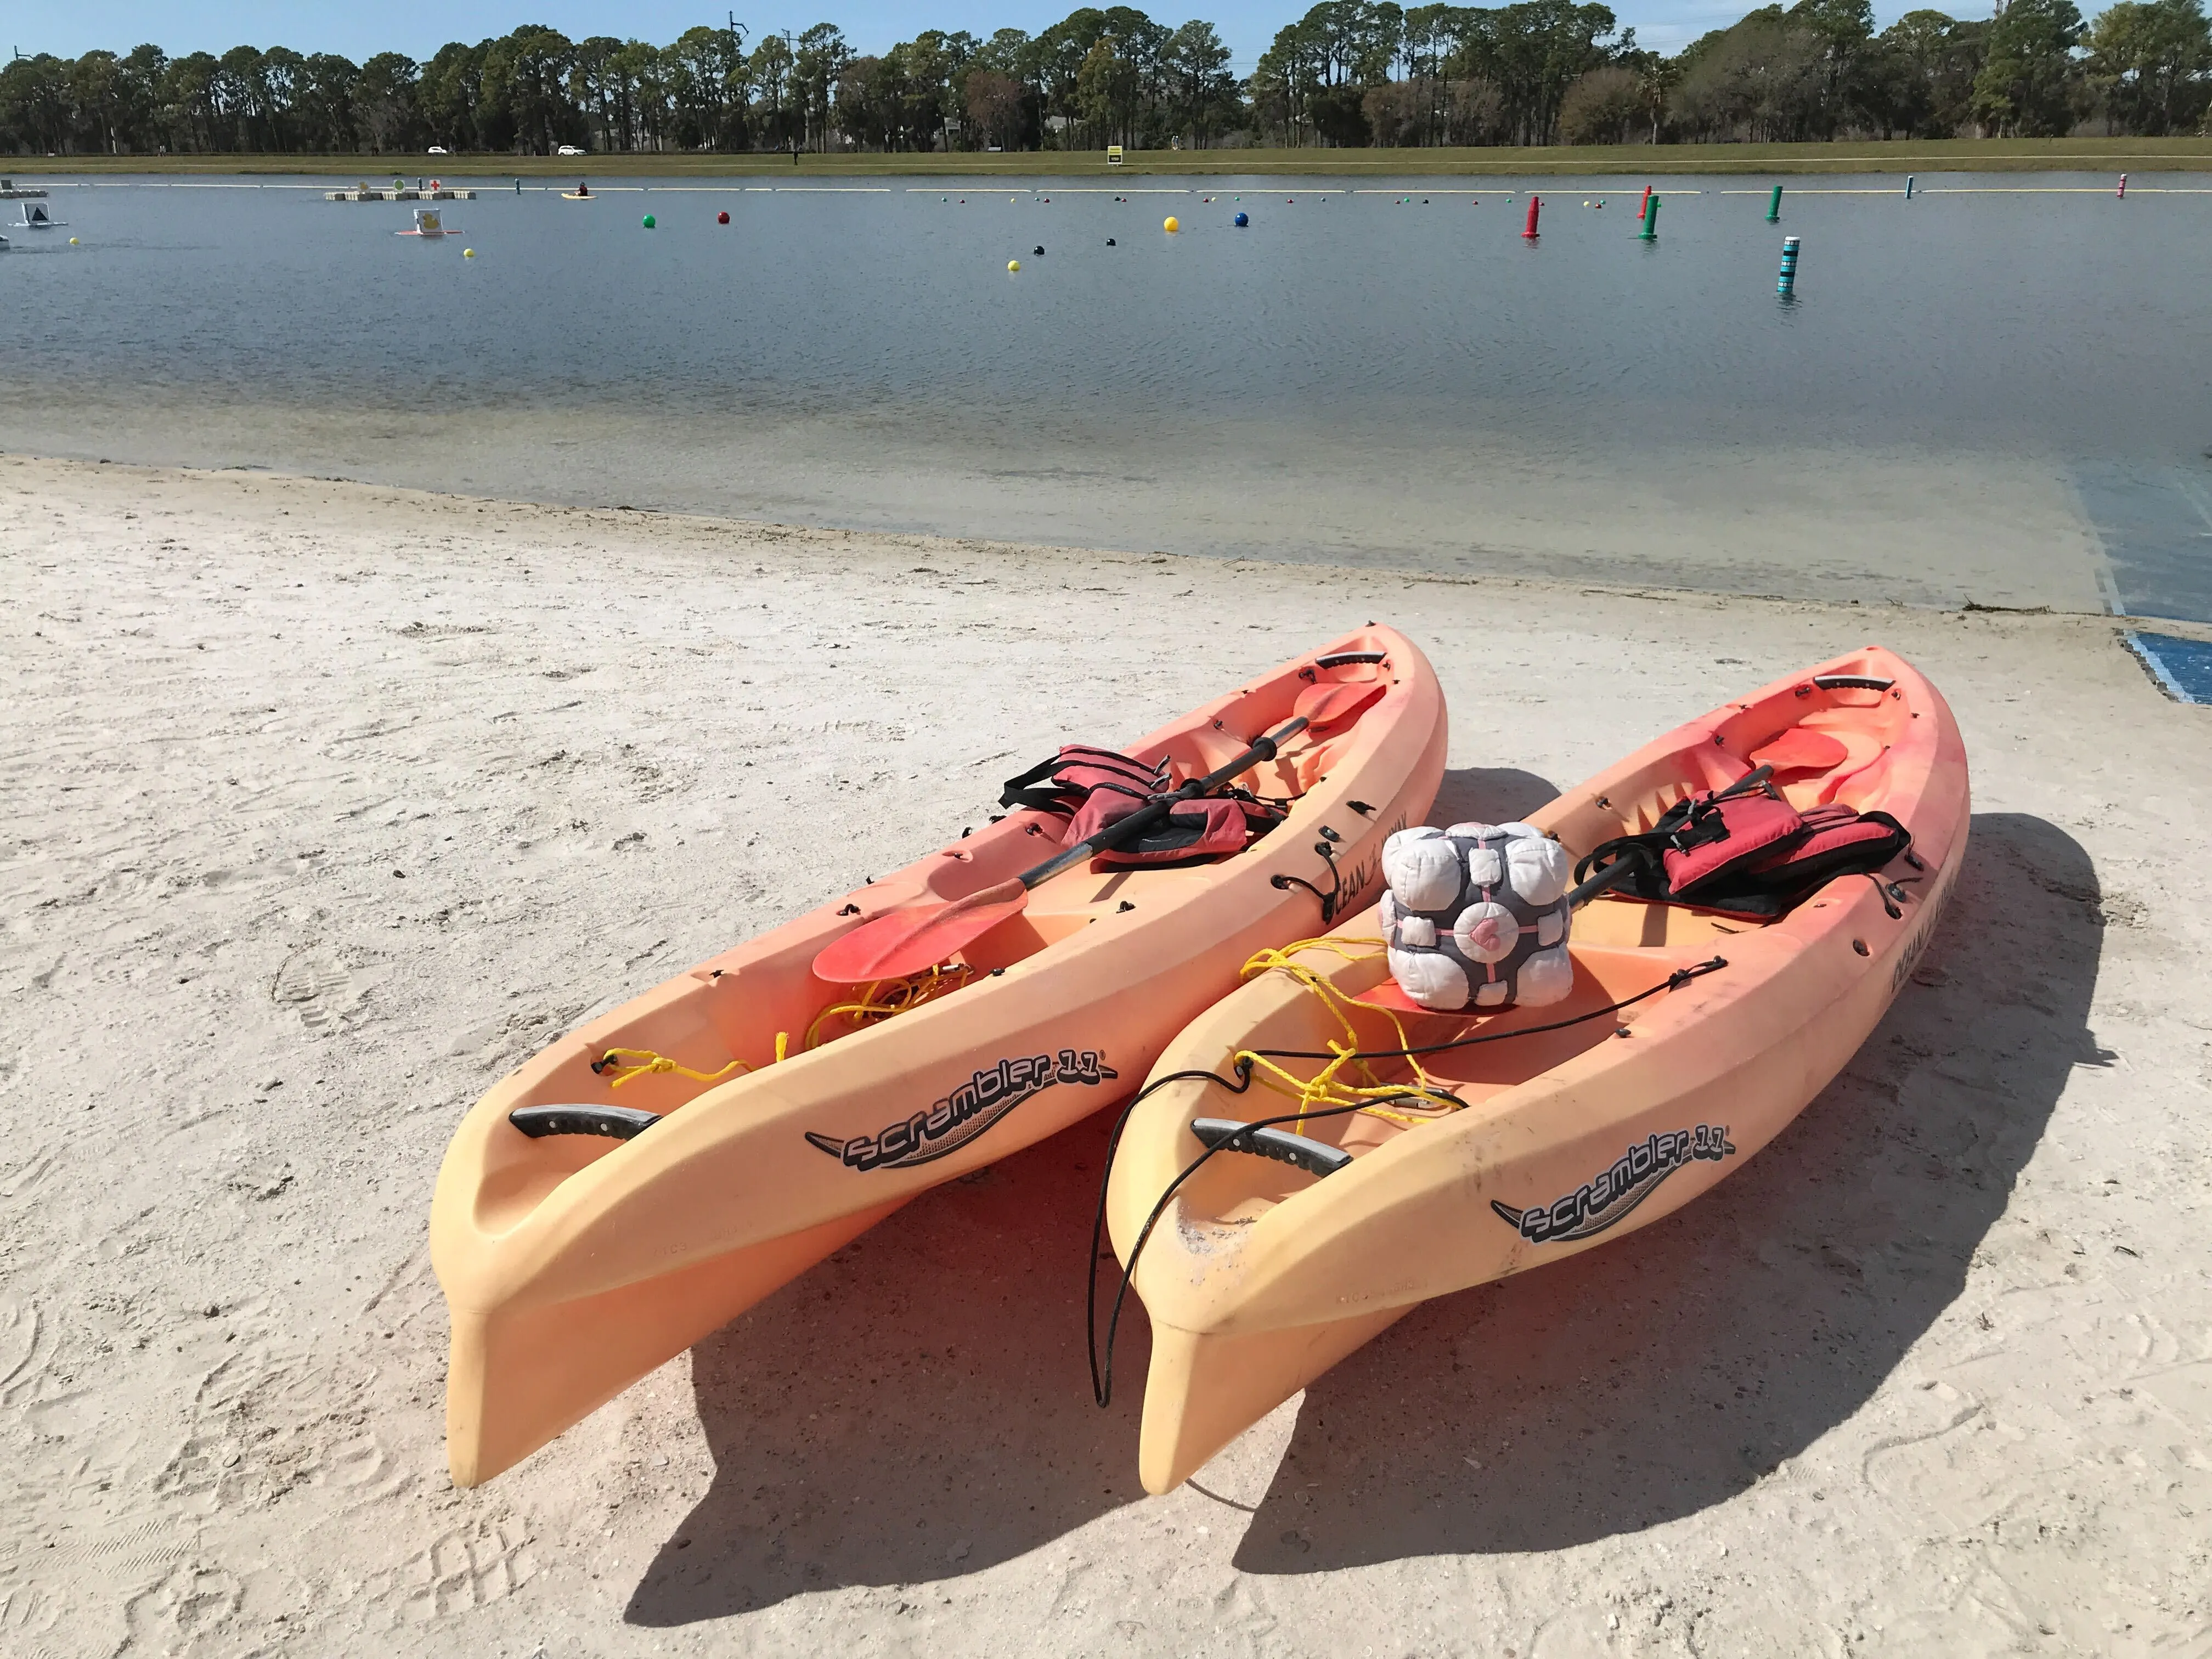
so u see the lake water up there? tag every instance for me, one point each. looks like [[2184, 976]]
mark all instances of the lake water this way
[[1993, 394]]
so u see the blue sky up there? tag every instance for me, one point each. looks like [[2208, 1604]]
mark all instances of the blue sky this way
[[419, 27]]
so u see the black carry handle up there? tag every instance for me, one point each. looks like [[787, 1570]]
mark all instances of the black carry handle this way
[[1623, 868], [1145, 817], [614, 1122], [1300, 1153]]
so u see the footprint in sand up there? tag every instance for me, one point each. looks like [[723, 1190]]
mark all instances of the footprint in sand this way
[[315, 988], [22, 1358], [264, 1424], [472, 1566], [187, 1612]]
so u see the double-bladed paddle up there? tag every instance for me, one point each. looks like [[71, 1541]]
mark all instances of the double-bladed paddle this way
[[918, 936]]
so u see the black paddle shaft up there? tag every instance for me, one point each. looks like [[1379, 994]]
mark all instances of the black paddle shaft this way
[[1130, 828]]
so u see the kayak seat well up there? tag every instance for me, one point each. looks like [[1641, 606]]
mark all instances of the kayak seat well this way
[[1618, 920], [703, 1034], [720, 1024], [1236, 1192], [1827, 744]]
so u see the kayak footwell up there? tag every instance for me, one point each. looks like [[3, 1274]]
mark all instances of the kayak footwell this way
[[521, 1375], [1203, 1390]]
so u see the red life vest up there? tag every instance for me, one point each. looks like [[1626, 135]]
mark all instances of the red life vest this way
[[1097, 787], [1752, 856], [1063, 783]]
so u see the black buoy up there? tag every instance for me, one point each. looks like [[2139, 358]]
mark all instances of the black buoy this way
[[1109, 242], [1039, 248]]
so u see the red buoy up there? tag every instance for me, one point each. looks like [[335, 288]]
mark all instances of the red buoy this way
[[723, 217], [1535, 202], [1644, 207]]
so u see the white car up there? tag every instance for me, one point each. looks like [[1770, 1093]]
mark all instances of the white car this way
[[440, 150], [568, 149]]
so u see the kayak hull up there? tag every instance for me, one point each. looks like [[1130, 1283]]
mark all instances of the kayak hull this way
[[573, 1265], [1259, 1278], [500, 1393], [1206, 1388]]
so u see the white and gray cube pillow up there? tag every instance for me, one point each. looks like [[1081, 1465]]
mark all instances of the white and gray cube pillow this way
[[1476, 915]]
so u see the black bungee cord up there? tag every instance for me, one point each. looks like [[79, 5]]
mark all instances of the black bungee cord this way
[[1102, 1376]]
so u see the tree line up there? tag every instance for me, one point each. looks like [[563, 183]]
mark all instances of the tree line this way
[[1348, 72]]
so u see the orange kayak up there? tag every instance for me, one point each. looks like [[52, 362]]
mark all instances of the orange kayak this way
[[651, 1176], [1260, 1272]]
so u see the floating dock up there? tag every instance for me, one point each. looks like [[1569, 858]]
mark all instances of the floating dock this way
[[9, 193], [367, 195]]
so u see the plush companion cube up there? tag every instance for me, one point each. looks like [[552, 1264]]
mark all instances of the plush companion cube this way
[[1477, 915]]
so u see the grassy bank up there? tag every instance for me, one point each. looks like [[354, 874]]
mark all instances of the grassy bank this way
[[1926, 155]]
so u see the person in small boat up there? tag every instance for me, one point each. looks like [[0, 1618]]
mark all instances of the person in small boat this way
[[582, 189]]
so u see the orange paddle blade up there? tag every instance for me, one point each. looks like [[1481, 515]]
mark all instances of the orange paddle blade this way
[[1335, 703], [901, 942]]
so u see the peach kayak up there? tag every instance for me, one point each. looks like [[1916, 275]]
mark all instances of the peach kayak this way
[[653, 1174], [1295, 1245]]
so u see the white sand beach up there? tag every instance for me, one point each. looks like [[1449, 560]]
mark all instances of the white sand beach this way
[[327, 803]]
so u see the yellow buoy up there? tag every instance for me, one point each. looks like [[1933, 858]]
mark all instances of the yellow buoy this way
[[72, 241], [1013, 264], [1173, 224], [468, 253]]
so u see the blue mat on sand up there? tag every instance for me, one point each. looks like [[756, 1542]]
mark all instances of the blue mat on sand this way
[[2184, 667]]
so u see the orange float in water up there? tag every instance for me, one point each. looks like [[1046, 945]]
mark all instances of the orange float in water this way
[[1264, 1271], [649, 1176]]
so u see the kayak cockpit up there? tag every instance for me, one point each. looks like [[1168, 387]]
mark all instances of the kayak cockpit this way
[[1235, 1191], [704, 1038], [700, 1038], [1826, 739]]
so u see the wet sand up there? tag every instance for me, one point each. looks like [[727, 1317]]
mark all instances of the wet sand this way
[[329, 802], [1825, 520]]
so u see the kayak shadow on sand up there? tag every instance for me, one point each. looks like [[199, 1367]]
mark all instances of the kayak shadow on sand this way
[[1642, 1382], [916, 1408], [1489, 794]]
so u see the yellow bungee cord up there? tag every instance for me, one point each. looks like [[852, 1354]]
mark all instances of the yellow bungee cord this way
[[885, 998], [878, 1001], [1329, 1087], [619, 1066]]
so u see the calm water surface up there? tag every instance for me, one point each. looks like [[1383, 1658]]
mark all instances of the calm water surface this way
[[1994, 395]]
